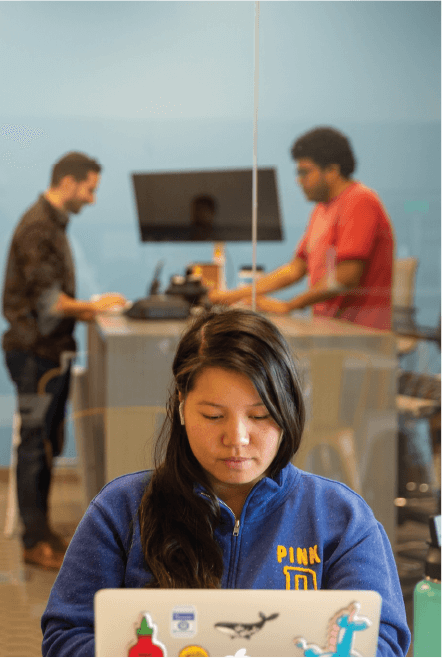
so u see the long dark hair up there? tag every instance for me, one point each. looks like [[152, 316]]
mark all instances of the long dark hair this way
[[177, 526]]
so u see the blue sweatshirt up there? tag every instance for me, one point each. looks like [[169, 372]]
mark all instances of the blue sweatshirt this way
[[294, 520]]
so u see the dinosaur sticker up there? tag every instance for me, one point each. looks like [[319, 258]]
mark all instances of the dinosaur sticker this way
[[243, 631], [340, 634]]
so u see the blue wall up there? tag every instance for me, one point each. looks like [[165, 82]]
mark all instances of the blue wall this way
[[169, 85]]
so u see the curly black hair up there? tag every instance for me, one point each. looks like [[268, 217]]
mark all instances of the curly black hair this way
[[326, 146]]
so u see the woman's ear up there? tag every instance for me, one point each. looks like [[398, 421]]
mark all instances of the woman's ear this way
[[181, 412]]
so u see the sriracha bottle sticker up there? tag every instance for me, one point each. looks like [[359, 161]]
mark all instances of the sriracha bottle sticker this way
[[147, 644]]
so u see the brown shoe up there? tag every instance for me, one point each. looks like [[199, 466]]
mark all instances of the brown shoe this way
[[43, 555], [58, 543]]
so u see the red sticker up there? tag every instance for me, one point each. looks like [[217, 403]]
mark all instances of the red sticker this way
[[148, 644]]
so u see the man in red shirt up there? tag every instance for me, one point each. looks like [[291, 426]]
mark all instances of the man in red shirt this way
[[347, 248]]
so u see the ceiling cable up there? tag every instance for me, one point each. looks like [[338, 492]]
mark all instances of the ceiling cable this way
[[255, 155]]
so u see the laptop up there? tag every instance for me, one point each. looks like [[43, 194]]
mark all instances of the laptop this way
[[234, 622]]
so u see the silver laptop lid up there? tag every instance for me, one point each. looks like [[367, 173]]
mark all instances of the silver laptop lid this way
[[240, 623]]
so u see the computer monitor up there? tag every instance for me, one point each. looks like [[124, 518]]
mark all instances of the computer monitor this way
[[206, 206]]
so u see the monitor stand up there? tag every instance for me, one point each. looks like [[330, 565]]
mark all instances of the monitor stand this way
[[219, 257]]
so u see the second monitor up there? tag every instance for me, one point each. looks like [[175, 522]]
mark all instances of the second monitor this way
[[206, 206]]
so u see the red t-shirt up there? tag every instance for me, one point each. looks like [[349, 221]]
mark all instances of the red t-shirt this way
[[352, 226]]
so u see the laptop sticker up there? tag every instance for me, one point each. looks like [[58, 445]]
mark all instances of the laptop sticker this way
[[340, 634], [236, 630], [147, 644], [183, 621], [193, 650]]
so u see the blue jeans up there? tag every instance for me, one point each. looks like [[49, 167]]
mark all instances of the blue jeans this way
[[42, 397]]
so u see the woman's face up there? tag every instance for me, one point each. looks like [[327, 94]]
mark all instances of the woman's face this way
[[229, 429]]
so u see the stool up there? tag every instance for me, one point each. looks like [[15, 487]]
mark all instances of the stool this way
[[12, 515]]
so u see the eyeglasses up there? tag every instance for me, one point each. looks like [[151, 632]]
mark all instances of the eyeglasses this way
[[302, 173]]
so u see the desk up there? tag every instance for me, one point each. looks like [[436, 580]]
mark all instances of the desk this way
[[129, 373]]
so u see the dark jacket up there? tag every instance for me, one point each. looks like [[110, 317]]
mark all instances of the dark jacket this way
[[39, 267]]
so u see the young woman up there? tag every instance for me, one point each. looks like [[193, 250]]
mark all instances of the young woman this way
[[225, 508]]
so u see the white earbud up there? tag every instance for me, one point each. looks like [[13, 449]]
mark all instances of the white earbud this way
[[181, 411]]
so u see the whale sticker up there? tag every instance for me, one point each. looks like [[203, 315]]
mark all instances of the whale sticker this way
[[243, 631]]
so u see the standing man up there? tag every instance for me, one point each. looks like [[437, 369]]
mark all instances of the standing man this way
[[40, 306], [347, 248]]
